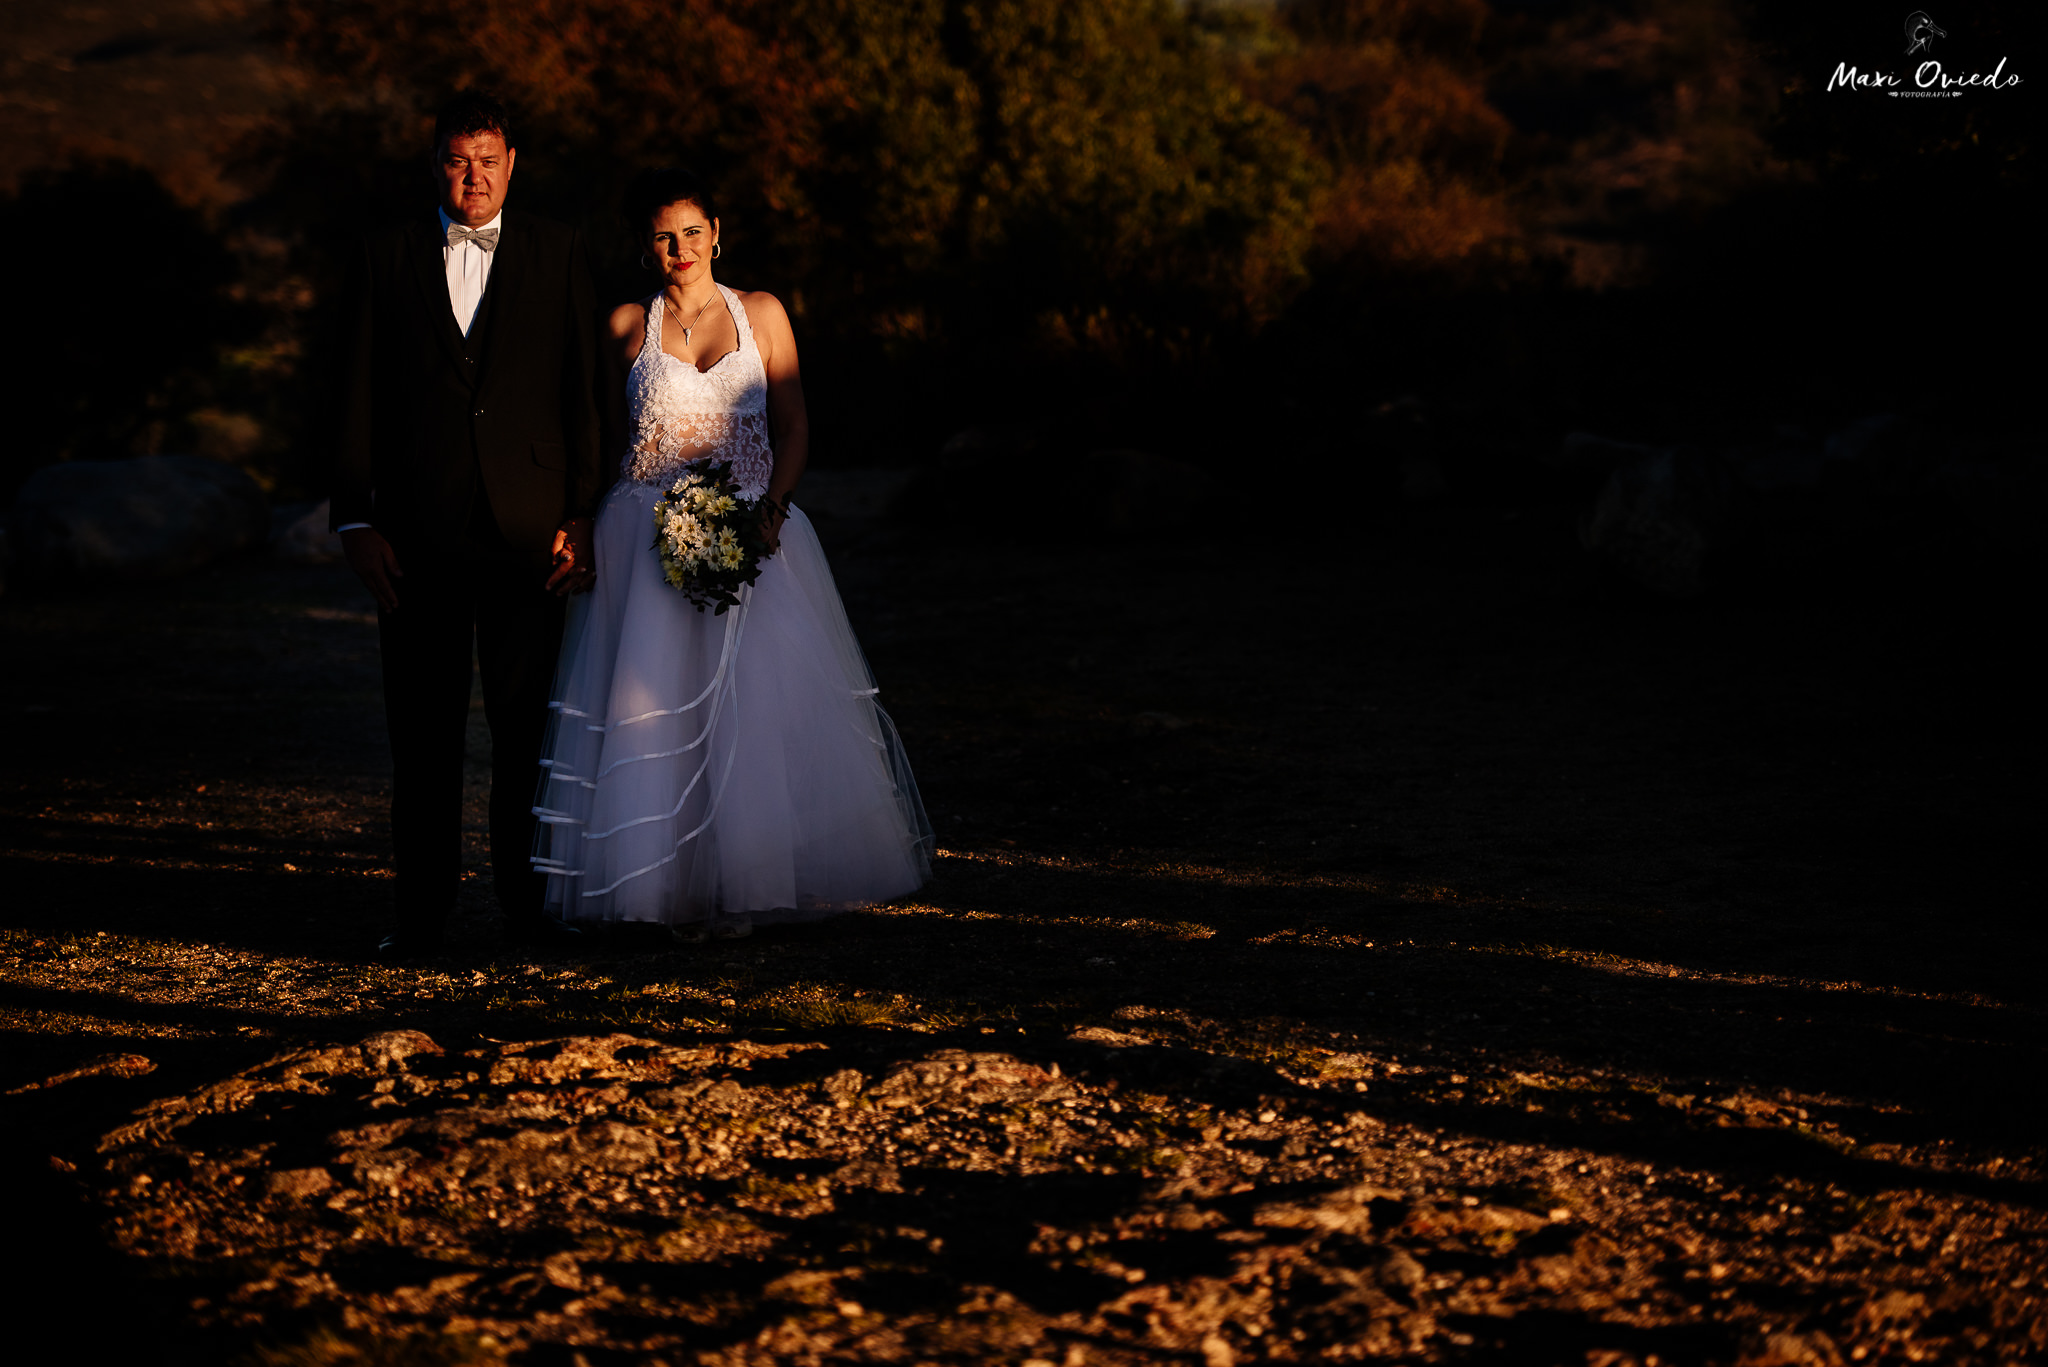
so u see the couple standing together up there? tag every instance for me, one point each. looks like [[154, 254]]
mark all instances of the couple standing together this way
[[500, 454]]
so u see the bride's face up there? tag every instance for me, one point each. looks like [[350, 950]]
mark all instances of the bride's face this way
[[680, 243]]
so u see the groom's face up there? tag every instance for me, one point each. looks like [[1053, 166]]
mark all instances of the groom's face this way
[[474, 169]]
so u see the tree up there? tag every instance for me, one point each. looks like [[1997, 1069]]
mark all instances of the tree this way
[[1393, 93], [914, 167]]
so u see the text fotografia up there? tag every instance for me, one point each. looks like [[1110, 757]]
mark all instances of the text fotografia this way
[[1929, 79]]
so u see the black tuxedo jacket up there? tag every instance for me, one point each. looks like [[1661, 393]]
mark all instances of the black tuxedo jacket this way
[[427, 413]]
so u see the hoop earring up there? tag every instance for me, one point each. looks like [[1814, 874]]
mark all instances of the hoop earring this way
[[646, 262], [716, 248]]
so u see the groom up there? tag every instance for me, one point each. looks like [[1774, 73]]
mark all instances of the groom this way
[[465, 479]]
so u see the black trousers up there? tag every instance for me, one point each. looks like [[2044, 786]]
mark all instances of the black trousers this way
[[487, 597]]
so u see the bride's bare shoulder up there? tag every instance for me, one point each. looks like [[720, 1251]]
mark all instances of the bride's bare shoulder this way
[[772, 332], [628, 328], [763, 309]]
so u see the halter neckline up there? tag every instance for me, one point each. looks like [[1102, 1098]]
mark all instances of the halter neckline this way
[[657, 324]]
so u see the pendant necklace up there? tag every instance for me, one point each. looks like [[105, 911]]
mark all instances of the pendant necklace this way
[[679, 317]]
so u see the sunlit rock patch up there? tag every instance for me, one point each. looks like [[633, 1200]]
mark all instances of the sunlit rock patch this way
[[1099, 1199]]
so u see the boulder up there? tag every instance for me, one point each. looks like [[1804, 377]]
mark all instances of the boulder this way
[[1003, 481], [1896, 480], [969, 491], [145, 518], [1591, 453], [1864, 437], [2001, 493], [1401, 428], [1874, 490], [1655, 518], [1142, 491], [299, 535], [852, 493], [1783, 463]]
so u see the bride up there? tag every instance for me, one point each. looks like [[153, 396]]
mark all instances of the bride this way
[[714, 772]]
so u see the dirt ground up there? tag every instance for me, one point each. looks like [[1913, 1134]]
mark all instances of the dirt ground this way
[[1416, 952]]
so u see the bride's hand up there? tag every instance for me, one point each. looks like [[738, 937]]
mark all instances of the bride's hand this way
[[772, 518]]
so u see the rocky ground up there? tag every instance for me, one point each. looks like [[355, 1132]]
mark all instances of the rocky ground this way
[[1427, 957]]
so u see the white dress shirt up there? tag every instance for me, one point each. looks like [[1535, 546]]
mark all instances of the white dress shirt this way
[[469, 269]]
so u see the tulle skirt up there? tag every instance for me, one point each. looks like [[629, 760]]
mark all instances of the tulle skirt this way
[[701, 765]]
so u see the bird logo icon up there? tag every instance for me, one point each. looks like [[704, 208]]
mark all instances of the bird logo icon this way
[[1921, 31]]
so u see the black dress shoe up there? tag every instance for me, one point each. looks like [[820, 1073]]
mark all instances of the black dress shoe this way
[[400, 945]]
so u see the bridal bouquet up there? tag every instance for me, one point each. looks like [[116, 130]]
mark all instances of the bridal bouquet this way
[[708, 536]]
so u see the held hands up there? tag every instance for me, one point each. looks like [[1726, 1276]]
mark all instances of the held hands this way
[[375, 563], [575, 566]]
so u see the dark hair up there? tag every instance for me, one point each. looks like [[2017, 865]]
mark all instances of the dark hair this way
[[658, 187], [471, 112]]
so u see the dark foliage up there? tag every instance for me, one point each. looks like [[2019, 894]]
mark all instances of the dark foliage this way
[[117, 299], [1373, 226]]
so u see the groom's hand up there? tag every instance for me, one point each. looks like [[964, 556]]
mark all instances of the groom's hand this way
[[575, 567], [375, 563]]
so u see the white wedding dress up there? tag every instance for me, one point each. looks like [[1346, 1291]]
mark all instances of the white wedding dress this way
[[705, 766]]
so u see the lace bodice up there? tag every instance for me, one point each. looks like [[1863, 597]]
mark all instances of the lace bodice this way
[[682, 415]]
